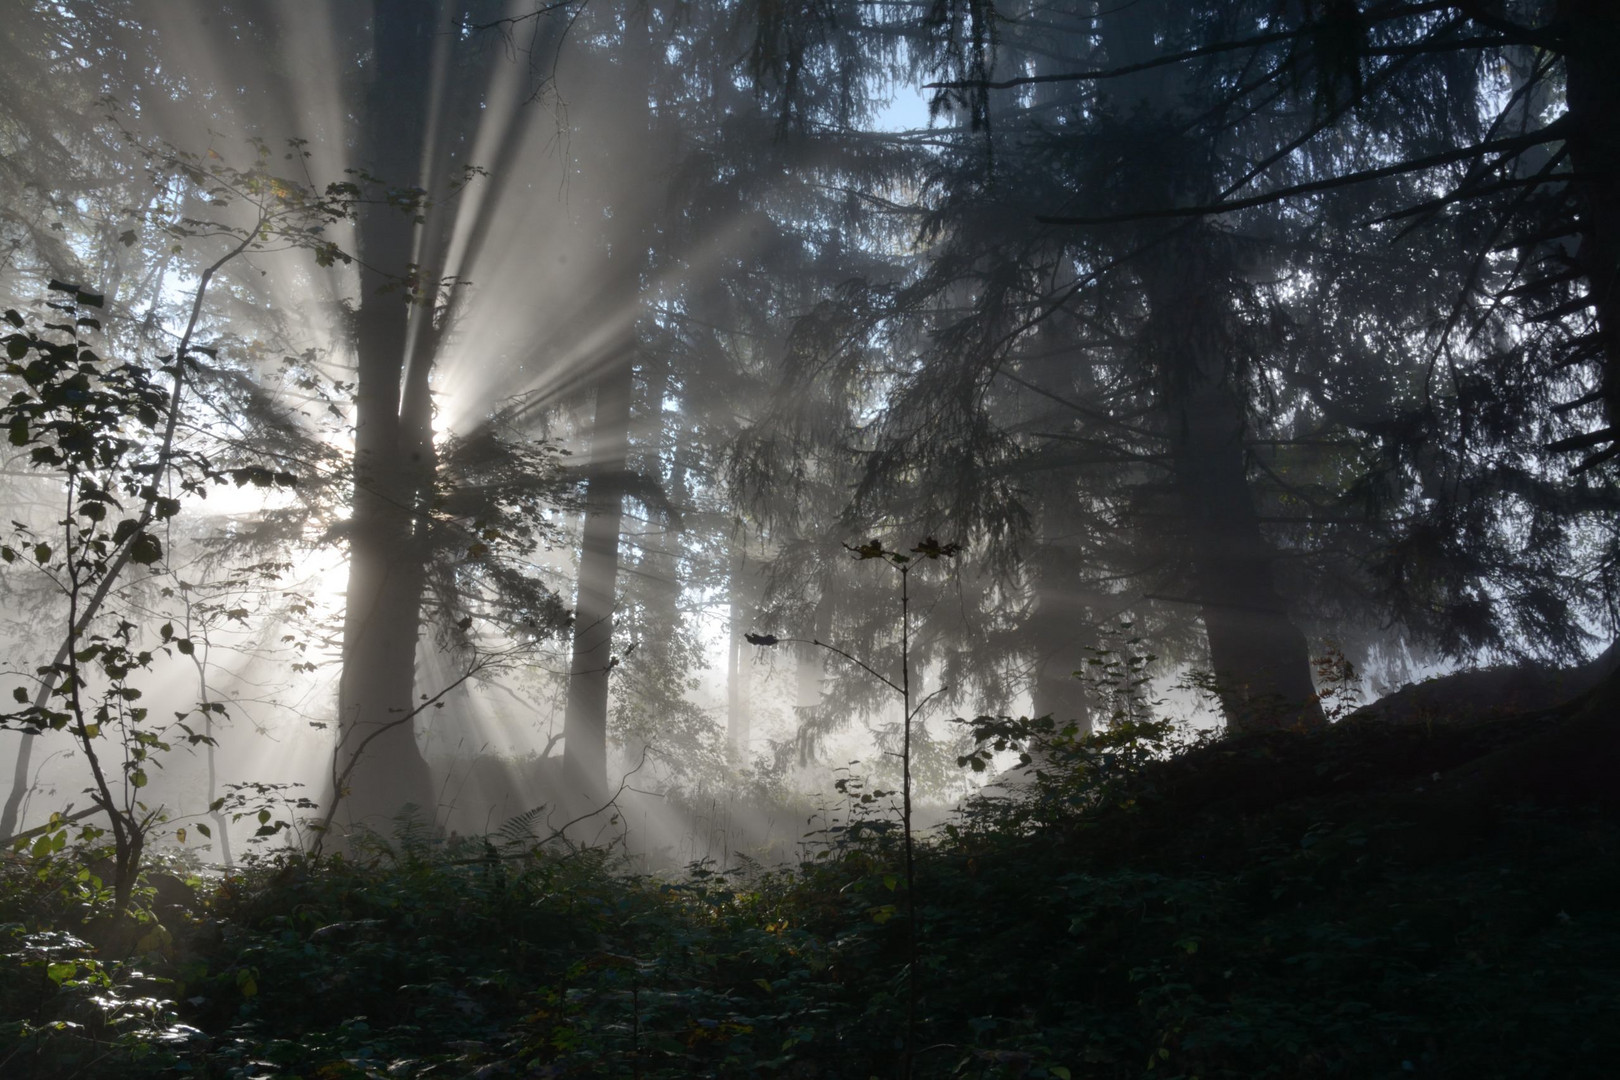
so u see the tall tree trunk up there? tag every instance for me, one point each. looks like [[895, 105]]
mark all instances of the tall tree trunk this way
[[1259, 657], [620, 89], [1593, 101], [393, 441], [585, 721], [12, 811], [1061, 628], [660, 550]]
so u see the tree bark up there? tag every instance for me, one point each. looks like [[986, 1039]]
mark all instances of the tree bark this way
[[1061, 628], [620, 86], [811, 667], [1592, 98], [10, 813], [1259, 658]]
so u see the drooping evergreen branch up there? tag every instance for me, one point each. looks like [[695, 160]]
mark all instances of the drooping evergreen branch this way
[[1510, 147]]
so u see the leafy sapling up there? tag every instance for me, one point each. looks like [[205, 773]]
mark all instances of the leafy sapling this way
[[105, 429], [109, 431]]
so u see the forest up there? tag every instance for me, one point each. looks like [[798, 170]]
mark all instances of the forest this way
[[809, 538]]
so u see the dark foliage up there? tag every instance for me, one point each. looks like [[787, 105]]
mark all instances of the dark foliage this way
[[1375, 899]]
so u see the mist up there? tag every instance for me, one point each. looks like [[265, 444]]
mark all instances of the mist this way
[[549, 376]]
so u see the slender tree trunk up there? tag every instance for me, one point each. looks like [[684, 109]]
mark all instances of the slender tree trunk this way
[[585, 722], [808, 673], [20, 765], [620, 89], [1061, 628], [812, 660], [660, 551], [19, 785]]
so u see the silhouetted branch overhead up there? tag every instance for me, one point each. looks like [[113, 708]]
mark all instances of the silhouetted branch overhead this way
[[1508, 148]]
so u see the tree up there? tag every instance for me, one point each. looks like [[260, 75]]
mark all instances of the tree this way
[[1404, 97], [436, 529], [394, 457], [702, 264], [109, 433], [1338, 52], [109, 429], [1176, 297], [941, 419], [408, 516]]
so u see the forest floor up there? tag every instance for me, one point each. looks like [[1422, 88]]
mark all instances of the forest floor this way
[[1377, 899]]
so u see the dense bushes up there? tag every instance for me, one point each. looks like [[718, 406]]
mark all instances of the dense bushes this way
[[1341, 927]]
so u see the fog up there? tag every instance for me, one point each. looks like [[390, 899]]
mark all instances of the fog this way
[[576, 398]]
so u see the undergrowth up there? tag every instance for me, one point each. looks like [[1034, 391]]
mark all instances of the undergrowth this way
[[1209, 915]]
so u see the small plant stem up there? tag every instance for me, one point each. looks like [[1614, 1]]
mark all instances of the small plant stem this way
[[126, 832], [930, 549], [198, 658], [863, 665], [50, 826]]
